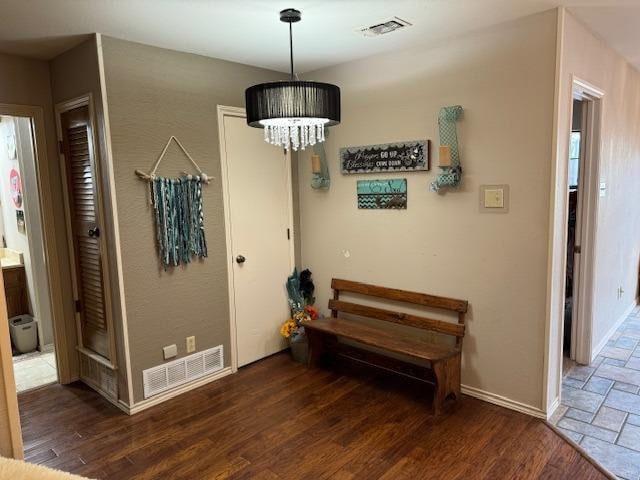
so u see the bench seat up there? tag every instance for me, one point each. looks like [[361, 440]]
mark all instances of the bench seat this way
[[384, 338], [396, 349]]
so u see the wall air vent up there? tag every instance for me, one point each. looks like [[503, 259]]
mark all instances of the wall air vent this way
[[385, 27], [178, 372]]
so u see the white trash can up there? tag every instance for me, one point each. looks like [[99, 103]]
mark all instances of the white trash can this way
[[24, 333]]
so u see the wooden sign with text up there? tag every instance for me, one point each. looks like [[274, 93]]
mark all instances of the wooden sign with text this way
[[382, 194], [386, 157]]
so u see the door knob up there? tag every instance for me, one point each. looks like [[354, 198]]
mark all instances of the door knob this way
[[94, 232], [240, 259]]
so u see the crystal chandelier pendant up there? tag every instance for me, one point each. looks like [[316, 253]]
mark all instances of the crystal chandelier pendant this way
[[294, 113], [295, 135]]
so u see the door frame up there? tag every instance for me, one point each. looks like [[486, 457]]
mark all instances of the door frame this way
[[33, 217], [60, 108], [566, 92], [61, 334], [238, 112], [583, 314]]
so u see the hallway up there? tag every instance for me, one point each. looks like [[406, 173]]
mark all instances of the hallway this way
[[601, 403]]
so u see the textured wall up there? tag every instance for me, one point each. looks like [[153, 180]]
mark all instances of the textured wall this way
[[618, 249], [153, 93], [442, 244]]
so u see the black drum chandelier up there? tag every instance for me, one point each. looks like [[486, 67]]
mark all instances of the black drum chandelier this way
[[293, 113]]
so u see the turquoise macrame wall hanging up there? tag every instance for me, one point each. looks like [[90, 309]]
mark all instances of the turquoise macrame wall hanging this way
[[451, 170], [178, 213]]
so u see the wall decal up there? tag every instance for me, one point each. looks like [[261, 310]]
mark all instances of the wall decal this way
[[22, 225], [15, 187], [12, 151], [382, 194], [386, 157]]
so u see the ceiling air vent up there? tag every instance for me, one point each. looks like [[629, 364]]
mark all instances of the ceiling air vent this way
[[385, 27]]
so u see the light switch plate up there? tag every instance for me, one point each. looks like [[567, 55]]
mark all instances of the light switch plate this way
[[170, 351], [494, 198]]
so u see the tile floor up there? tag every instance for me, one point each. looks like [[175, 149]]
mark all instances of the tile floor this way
[[600, 407], [34, 370]]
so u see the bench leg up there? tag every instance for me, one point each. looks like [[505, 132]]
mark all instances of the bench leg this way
[[316, 348], [447, 374]]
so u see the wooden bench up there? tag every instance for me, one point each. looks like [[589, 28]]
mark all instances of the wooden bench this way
[[441, 361]]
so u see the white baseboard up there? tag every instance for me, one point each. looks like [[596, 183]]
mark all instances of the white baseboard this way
[[503, 402], [596, 351], [554, 405], [150, 402]]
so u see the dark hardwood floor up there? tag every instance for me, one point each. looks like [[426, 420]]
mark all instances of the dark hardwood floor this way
[[277, 420]]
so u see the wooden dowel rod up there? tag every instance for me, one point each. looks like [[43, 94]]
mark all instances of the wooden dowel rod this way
[[145, 176]]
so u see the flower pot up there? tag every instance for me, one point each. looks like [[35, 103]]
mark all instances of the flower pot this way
[[300, 349]]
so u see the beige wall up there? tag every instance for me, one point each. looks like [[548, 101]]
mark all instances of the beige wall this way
[[152, 94], [442, 244], [76, 73], [618, 217], [618, 249]]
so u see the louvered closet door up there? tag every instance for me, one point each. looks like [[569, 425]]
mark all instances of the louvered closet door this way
[[85, 230]]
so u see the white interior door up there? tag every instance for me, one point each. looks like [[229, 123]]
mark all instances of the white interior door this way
[[258, 191]]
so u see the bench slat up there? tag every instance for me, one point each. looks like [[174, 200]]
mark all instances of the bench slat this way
[[397, 317], [393, 341], [423, 299]]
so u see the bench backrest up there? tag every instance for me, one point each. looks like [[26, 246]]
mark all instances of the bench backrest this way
[[441, 303]]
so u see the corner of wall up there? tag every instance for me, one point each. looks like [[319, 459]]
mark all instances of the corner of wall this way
[[111, 217], [553, 323]]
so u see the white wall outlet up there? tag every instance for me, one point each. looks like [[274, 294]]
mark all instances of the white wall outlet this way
[[603, 187], [170, 351], [191, 344], [620, 292]]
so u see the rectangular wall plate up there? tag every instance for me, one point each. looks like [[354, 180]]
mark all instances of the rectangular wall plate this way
[[191, 344], [494, 198], [170, 351]]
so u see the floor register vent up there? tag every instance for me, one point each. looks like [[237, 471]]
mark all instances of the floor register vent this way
[[178, 372]]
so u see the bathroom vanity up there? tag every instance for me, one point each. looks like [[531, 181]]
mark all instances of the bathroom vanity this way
[[15, 282]]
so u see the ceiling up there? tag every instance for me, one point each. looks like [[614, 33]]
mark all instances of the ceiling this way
[[619, 26], [248, 31]]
